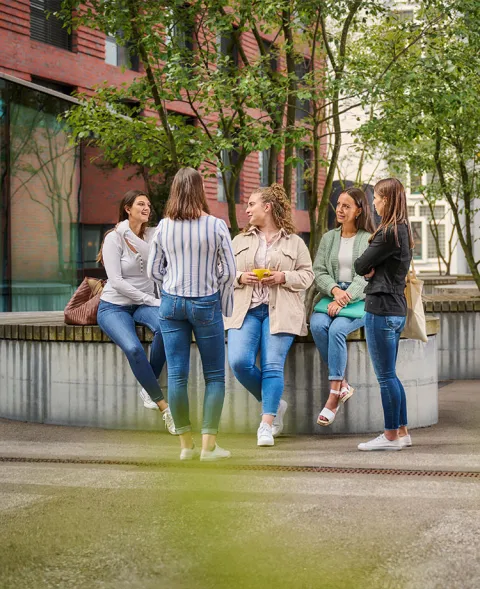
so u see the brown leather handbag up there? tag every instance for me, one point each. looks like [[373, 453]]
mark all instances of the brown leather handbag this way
[[83, 306]]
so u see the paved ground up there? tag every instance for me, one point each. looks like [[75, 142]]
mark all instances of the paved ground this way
[[164, 524]]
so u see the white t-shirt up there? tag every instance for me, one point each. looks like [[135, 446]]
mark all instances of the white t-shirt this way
[[345, 259]]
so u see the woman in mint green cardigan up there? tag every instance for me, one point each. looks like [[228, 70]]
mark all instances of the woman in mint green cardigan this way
[[335, 277]]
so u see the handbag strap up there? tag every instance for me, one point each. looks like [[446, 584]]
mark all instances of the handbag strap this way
[[412, 270]]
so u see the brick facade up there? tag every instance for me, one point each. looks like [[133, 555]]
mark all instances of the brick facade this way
[[82, 69]]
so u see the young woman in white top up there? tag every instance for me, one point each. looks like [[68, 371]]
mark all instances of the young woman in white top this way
[[129, 298], [335, 277]]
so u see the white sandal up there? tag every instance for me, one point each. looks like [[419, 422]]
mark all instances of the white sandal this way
[[346, 393], [328, 413]]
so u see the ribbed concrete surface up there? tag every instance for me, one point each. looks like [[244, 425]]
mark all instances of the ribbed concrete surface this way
[[91, 384], [459, 346]]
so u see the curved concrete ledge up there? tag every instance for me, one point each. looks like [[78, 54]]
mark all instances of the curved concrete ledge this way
[[65, 375]]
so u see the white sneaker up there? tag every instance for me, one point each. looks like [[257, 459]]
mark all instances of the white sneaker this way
[[169, 423], [405, 441], [265, 435], [380, 443], [213, 455], [147, 401], [277, 425], [189, 453]]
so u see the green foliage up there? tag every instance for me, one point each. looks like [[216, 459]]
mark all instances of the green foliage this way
[[429, 111], [328, 63]]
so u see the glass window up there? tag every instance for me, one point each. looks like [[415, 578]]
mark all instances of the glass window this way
[[49, 30], [111, 51], [302, 108], [120, 55], [438, 211], [416, 180], [229, 48], [403, 15], [431, 246], [181, 28], [263, 159], [301, 172], [91, 237], [39, 233], [272, 54], [417, 237], [411, 210], [58, 87]]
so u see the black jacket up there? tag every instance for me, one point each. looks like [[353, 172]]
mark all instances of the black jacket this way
[[385, 290]]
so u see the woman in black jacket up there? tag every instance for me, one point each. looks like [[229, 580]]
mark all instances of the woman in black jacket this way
[[384, 264]]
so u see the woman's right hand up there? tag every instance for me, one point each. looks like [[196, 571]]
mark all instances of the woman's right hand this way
[[248, 278], [341, 297], [333, 309]]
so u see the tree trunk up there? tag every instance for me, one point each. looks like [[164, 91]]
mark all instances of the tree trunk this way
[[291, 103], [466, 243]]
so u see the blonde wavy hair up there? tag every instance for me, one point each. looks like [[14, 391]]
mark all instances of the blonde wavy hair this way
[[276, 196]]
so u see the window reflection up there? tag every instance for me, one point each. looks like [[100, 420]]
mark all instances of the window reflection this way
[[39, 211]]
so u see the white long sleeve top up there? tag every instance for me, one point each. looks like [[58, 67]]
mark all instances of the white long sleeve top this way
[[128, 282], [194, 259]]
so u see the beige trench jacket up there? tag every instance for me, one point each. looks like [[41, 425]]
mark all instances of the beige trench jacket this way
[[286, 307]]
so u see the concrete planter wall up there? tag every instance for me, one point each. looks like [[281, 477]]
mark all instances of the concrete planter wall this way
[[458, 340], [459, 346], [74, 376]]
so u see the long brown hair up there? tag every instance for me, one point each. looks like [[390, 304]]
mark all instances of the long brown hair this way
[[187, 198], [127, 201], [281, 207], [364, 220], [395, 212]]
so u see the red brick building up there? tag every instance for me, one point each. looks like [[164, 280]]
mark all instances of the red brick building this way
[[38, 51]]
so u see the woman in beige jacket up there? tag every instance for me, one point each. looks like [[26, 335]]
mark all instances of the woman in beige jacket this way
[[268, 311]]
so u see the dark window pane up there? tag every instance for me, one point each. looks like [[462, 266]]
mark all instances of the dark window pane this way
[[228, 47], [302, 105], [62, 88], [417, 237], [121, 55], [49, 30], [91, 237], [264, 159], [301, 188], [272, 54]]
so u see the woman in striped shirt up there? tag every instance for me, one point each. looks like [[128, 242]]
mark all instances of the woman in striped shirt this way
[[191, 259]]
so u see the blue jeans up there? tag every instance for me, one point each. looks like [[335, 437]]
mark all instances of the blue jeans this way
[[178, 317], [383, 336], [330, 337], [118, 322], [265, 384]]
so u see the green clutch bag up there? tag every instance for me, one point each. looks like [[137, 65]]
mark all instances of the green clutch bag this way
[[353, 310]]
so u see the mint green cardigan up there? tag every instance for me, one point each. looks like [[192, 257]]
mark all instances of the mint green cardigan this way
[[326, 268]]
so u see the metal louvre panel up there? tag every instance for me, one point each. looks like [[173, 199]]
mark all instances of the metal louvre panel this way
[[48, 30]]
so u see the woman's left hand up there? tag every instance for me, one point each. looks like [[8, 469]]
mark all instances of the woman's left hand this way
[[275, 277], [333, 309], [371, 274]]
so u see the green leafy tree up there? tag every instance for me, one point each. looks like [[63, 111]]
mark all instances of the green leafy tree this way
[[431, 112], [190, 54]]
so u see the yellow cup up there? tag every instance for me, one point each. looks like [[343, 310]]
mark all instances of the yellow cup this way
[[261, 272]]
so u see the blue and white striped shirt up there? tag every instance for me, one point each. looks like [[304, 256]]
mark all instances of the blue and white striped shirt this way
[[194, 259]]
